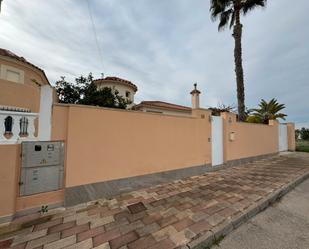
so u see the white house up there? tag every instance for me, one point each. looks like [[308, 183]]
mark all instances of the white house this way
[[125, 88]]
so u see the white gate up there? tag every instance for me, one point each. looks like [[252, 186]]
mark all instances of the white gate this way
[[283, 137], [217, 140]]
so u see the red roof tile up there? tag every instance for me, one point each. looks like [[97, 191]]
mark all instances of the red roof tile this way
[[125, 82], [162, 105]]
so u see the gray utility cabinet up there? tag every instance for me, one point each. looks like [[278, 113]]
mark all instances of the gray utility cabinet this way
[[41, 167]]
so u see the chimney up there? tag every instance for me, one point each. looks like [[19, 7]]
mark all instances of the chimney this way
[[195, 97]]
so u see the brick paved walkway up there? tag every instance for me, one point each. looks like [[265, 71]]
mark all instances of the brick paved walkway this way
[[176, 212]]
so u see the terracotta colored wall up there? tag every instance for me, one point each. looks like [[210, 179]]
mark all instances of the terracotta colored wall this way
[[9, 163], [104, 144], [25, 95], [250, 139], [59, 132], [60, 122], [10, 201], [37, 200]]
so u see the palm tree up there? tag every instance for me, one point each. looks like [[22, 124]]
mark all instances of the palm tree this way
[[268, 111], [228, 12], [0, 5]]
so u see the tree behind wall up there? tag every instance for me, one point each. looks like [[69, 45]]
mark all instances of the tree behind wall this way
[[266, 111], [229, 12], [304, 133], [216, 111], [297, 134], [85, 92]]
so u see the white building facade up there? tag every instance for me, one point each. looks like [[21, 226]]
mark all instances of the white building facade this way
[[125, 88]]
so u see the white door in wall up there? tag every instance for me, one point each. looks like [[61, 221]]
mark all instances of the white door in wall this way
[[217, 140], [283, 137]]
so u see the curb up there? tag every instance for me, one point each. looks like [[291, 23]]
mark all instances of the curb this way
[[206, 240]]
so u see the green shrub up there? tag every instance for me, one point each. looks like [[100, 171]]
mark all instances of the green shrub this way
[[254, 119], [302, 145], [304, 133]]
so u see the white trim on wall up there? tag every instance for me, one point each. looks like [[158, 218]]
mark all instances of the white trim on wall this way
[[45, 121], [217, 141], [283, 137]]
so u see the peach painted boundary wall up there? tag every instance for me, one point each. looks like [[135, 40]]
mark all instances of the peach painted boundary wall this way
[[10, 201], [105, 144], [9, 163], [37, 200], [249, 140], [291, 136]]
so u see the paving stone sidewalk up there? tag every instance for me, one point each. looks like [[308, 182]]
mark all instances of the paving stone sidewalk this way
[[176, 214]]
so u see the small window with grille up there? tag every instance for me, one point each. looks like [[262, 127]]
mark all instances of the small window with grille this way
[[23, 124], [8, 124]]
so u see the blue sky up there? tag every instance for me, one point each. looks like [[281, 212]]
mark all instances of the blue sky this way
[[164, 46]]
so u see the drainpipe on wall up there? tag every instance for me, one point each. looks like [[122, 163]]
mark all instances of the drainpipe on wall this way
[[195, 97]]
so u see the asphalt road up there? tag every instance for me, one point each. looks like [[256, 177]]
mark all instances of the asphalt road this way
[[285, 225]]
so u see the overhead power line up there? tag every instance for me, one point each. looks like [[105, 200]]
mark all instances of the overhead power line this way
[[95, 33]]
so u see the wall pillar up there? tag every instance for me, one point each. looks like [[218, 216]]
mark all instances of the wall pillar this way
[[202, 113], [228, 119], [204, 116], [275, 123], [45, 118], [10, 163]]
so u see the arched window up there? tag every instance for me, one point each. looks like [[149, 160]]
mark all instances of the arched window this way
[[8, 124], [23, 124]]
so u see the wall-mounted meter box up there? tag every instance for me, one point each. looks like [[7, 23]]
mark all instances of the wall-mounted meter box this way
[[42, 167], [232, 136]]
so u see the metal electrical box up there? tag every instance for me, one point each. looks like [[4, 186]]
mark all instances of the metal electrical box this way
[[42, 167]]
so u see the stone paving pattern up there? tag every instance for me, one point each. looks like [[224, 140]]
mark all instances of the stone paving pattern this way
[[177, 212]]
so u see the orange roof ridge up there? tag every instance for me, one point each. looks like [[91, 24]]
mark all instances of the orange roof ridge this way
[[164, 105], [117, 79]]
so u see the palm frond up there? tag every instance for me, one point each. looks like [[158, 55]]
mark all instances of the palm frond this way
[[219, 6], [232, 21], [269, 110], [224, 18], [252, 4], [279, 115]]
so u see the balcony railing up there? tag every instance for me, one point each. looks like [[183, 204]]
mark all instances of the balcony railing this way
[[16, 127]]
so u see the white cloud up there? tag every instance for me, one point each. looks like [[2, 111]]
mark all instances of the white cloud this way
[[166, 46]]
